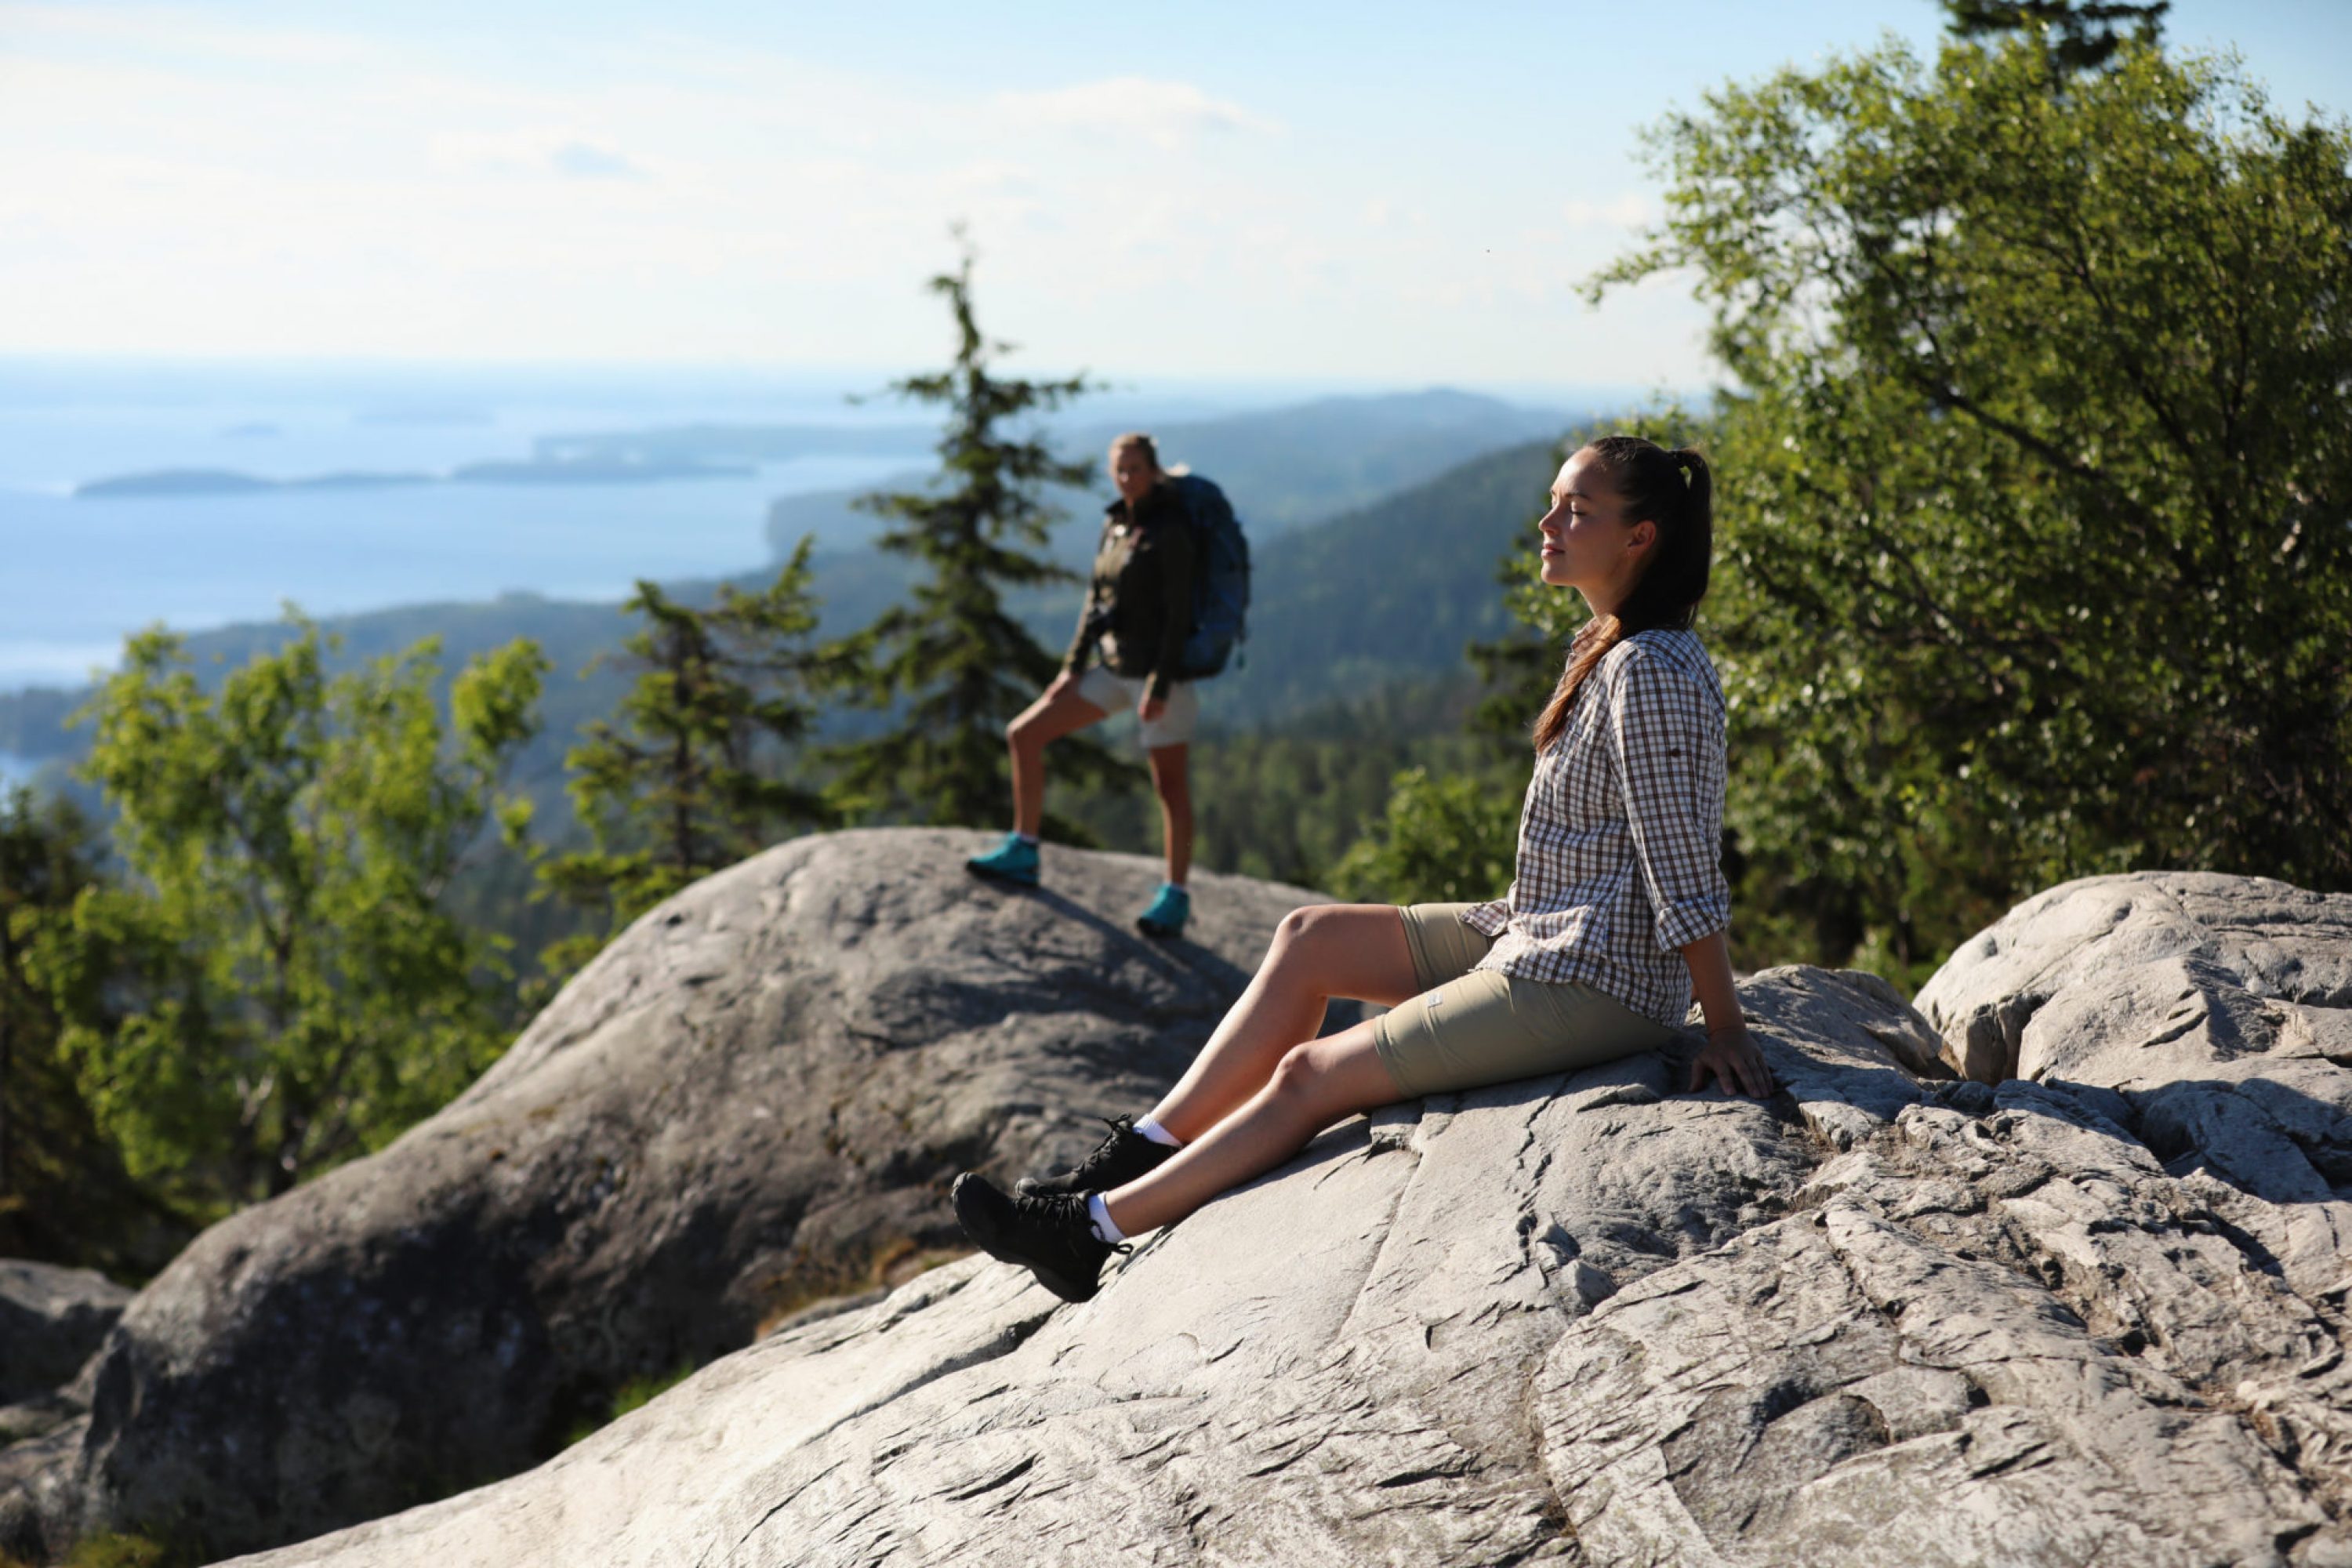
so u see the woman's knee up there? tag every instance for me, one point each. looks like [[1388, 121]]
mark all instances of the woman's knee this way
[[1297, 1078], [1303, 926]]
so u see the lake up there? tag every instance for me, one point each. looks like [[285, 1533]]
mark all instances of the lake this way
[[80, 574]]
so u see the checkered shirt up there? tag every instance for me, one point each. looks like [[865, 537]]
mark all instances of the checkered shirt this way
[[1621, 837]]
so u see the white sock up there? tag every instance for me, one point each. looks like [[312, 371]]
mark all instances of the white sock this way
[[1100, 1212], [1028, 839], [1182, 889], [1147, 1128]]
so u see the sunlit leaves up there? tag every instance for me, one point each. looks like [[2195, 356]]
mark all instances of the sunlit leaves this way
[[2033, 490], [276, 984]]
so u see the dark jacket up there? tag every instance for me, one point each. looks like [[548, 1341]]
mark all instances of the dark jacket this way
[[1143, 592]]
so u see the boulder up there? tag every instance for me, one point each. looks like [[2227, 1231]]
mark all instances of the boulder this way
[[2210, 1015], [1593, 1320], [51, 1320], [753, 1101]]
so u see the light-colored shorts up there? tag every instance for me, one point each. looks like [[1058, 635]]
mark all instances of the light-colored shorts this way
[[1118, 694], [1470, 1028]]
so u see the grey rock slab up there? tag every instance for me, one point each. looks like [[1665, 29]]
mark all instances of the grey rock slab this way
[[2276, 940], [51, 1320], [1333, 1364], [752, 1100], [2095, 1316]]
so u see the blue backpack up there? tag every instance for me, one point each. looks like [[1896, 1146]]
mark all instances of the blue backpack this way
[[1220, 578]]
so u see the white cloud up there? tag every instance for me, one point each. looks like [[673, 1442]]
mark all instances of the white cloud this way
[[1168, 114], [571, 154], [1630, 210]]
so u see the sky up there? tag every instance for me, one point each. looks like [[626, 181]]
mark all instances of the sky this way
[[1374, 193]]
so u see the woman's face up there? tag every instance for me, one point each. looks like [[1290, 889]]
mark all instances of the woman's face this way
[[1587, 541], [1132, 471]]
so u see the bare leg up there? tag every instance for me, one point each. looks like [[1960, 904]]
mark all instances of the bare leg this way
[[1060, 711], [1173, 782], [1327, 951], [1312, 1086]]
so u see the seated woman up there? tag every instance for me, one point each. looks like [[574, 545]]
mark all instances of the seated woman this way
[[1616, 915]]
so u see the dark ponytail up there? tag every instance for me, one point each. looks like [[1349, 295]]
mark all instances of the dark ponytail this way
[[1674, 492]]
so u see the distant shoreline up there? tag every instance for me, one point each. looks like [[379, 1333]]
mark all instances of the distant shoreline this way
[[162, 482], [666, 454]]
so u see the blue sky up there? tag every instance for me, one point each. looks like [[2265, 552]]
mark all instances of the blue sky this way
[[1377, 193]]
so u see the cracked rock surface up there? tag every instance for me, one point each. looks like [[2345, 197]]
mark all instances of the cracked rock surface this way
[[753, 1099], [1891, 1316]]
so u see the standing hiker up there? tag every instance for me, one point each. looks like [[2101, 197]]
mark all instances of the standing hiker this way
[[1616, 917], [1162, 610]]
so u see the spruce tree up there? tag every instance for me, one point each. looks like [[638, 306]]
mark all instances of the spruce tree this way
[[953, 667], [689, 781]]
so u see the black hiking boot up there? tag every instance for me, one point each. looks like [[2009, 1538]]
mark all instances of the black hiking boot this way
[[1116, 1160], [1051, 1237]]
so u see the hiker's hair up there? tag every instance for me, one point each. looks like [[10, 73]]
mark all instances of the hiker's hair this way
[[1673, 492], [1137, 441]]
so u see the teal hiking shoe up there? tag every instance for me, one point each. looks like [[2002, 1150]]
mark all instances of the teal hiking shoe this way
[[1014, 861], [1169, 911]]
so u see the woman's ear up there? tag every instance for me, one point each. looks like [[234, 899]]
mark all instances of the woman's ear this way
[[1642, 535]]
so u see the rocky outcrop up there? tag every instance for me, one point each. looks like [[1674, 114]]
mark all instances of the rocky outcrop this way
[[751, 1101], [51, 1318], [1879, 1319], [2212, 1015]]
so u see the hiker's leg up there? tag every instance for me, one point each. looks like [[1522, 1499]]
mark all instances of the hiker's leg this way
[[1312, 1087], [1172, 781], [1060, 711], [1328, 950]]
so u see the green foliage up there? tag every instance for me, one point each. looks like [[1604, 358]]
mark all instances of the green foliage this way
[[2033, 556], [64, 1193], [954, 667], [276, 985], [2080, 35], [111, 1550], [1449, 840], [685, 783]]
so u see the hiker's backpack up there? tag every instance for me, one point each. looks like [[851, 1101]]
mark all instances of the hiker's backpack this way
[[1220, 578]]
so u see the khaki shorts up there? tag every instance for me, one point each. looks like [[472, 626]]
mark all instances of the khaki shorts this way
[[1470, 1028], [1118, 694]]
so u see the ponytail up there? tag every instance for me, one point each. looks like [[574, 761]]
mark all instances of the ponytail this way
[[1674, 492]]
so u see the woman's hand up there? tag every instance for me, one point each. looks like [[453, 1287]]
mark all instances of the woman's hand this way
[[1150, 708], [1733, 1059], [1066, 680]]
